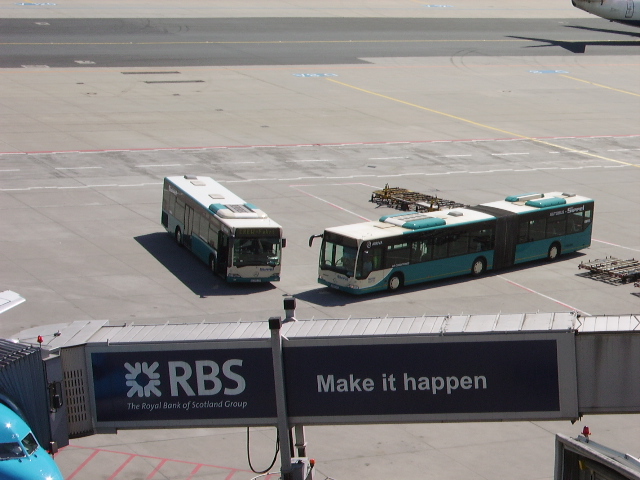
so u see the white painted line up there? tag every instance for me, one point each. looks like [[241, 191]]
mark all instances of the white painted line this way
[[616, 245], [332, 204], [75, 168], [13, 170], [166, 165], [543, 295], [305, 161]]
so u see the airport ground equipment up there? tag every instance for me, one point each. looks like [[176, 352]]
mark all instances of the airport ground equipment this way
[[408, 200], [623, 270], [583, 458]]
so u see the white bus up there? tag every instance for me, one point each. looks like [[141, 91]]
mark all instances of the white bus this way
[[237, 240]]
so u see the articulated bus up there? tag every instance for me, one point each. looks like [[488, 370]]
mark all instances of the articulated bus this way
[[409, 248], [238, 241]]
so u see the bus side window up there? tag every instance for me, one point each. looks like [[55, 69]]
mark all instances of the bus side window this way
[[420, 251], [481, 241], [537, 229], [179, 211], [440, 243], [213, 236], [574, 222], [556, 226], [459, 244], [397, 255]]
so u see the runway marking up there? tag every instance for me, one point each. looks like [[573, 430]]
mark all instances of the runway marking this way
[[231, 472], [327, 201], [305, 161], [616, 245], [326, 145], [477, 124], [75, 168], [566, 305], [601, 86], [291, 179], [165, 165], [267, 42]]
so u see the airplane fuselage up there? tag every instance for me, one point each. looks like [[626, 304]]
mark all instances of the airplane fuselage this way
[[621, 11]]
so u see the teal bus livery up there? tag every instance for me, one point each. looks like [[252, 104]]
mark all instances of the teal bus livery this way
[[237, 240], [409, 248]]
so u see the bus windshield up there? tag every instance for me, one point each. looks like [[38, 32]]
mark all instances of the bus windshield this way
[[338, 254], [256, 251]]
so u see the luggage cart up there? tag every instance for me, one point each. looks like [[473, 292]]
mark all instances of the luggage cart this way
[[623, 270], [408, 200]]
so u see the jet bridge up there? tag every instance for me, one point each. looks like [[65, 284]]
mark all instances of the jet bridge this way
[[453, 368]]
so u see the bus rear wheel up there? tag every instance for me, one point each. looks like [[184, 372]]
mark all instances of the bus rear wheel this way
[[478, 267], [554, 251], [178, 236], [395, 282]]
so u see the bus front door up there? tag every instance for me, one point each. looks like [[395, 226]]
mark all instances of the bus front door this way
[[506, 238], [223, 254]]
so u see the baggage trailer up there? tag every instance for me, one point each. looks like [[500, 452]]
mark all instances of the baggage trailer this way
[[623, 270], [408, 200]]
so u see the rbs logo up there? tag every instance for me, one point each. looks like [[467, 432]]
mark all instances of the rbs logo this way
[[205, 379]]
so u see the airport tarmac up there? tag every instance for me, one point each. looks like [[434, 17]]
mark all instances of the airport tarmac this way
[[83, 152]]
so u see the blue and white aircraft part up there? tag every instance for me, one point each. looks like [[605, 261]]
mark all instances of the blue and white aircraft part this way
[[21, 456]]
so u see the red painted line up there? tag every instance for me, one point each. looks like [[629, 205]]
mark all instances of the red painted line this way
[[124, 464], [157, 469], [82, 465], [98, 450], [194, 471]]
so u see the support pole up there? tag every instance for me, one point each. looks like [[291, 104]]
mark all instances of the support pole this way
[[275, 323], [301, 442]]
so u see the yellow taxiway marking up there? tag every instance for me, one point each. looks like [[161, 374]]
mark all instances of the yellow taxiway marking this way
[[482, 125], [601, 86]]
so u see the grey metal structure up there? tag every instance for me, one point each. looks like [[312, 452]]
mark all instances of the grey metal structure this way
[[581, 458], [31, 386]]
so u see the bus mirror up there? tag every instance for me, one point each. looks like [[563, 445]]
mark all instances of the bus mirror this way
[[284, 242], [312, 237]]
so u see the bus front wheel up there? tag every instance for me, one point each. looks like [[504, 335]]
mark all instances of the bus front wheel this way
[[178, 236], [478, 267], [554, 251], [395, 282]]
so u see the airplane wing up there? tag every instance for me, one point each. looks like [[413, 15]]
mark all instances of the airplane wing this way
[[9, 299]]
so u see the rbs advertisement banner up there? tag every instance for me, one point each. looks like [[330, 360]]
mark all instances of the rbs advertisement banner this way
[[183, 385], [333, 382]]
